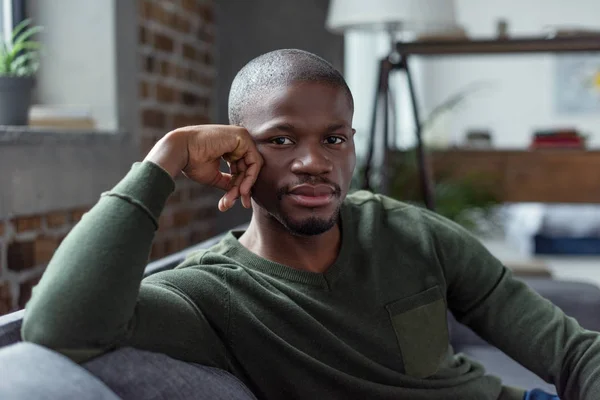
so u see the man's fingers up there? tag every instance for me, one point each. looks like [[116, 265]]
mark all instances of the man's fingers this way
[[223, 181], [250, 178]]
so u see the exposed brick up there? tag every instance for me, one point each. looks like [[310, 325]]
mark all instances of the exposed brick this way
[[206, 81], [190, 5], [199, 236], [25, 290], [76, 215], [175, 198], [158, 250], [150, 63], [167, 17], [182, 242], [145, 9], [167, 68], [205, 35], [182, 218], [144, 90], [56, 219], [205, 213], [189, 52], [21, 255], [182, 24], [163, 42], [154, 119], [144, 35], [170, 245], [180, 120], [190, 75], [5, 298], [190, 99], [206, 12], [165, 222], [165, 94], [147, 145], [181, 73], [208, 59], [44, 249], [24, 224]]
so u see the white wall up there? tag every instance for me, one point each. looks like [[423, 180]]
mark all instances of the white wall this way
[[362, 52], [521, 98], [78, 65]]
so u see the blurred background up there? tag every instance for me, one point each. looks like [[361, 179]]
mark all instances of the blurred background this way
[[507, 96]]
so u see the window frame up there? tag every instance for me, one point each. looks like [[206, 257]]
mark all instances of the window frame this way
[[13, 12]]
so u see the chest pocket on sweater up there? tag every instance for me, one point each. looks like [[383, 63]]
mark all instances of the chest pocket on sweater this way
[[420, 323]]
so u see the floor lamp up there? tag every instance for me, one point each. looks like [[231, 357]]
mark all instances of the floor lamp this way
[[396, 17]]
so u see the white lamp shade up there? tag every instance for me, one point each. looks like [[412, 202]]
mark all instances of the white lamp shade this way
[[418, 16]]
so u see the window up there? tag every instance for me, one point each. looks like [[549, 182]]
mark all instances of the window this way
[[11, 13]]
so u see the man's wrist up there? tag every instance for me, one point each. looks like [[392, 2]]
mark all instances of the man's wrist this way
[[167, 153]]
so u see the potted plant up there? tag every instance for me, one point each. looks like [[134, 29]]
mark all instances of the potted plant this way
[[19, 61]]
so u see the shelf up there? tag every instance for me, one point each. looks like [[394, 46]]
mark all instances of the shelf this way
[[546, 176], [586, 43]]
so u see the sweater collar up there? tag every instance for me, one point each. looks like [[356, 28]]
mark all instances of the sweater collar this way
[[253, 261]]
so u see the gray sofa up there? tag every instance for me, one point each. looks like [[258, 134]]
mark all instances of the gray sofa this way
[[32, 372]]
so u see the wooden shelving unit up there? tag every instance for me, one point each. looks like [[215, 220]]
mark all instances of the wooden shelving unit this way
[[512, 168], [581, 43]]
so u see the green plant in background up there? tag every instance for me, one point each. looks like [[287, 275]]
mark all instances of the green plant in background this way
[[465, 199], [20, 54]]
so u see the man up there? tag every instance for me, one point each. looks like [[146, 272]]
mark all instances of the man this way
[[324, 295]]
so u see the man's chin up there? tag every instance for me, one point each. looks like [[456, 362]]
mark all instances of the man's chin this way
[[310, 226]]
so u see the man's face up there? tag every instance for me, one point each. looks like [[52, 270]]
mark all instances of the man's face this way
[[304, 133]]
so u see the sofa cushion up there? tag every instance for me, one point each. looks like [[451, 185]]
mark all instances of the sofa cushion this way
[[511, 373], [143, 375], [10, 328], [34, 372]]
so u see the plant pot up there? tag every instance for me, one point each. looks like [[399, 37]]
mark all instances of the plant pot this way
[[15, 99]]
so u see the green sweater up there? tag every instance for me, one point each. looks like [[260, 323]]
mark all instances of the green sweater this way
[[373, 326]]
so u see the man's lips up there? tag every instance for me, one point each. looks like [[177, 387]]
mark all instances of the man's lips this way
[[312, 190], [312, 195]]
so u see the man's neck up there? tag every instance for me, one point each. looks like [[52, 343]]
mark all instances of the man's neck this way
[[271, 240]]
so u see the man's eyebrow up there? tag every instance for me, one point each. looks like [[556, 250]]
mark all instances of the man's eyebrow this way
[[282, 126], [335, 127]]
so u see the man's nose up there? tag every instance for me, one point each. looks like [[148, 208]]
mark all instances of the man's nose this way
[[312, 160]]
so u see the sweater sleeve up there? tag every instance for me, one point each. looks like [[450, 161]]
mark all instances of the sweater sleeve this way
[[90, 299], [483, 295]]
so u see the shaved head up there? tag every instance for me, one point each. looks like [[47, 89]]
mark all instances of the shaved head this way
[[276, 69]]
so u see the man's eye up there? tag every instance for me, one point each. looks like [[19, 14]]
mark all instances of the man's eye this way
[[281, 141], [335, 140]]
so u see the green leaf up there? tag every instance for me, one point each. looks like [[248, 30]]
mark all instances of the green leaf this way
[[27, 34], [19, 28], [19, 56], [28, 46], [26, 64]]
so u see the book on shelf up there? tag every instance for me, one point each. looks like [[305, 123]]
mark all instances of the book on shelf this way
[[64, 117], [558, 139]]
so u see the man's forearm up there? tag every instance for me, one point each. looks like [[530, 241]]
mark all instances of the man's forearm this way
[[87, 296]]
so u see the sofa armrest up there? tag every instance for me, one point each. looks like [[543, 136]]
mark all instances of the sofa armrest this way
[[34, 372], [10, 328], [138, 374]]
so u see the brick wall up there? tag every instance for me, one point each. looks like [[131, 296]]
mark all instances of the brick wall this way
[[26, 245], [176, 79], [176, 88]]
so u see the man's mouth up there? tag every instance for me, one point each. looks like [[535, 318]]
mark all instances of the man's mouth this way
[[312, 195]]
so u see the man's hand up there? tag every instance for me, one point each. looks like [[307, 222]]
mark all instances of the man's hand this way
[[197, 150]]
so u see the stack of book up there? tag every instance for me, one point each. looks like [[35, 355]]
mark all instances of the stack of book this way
[[557, 139], [63, 117]]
